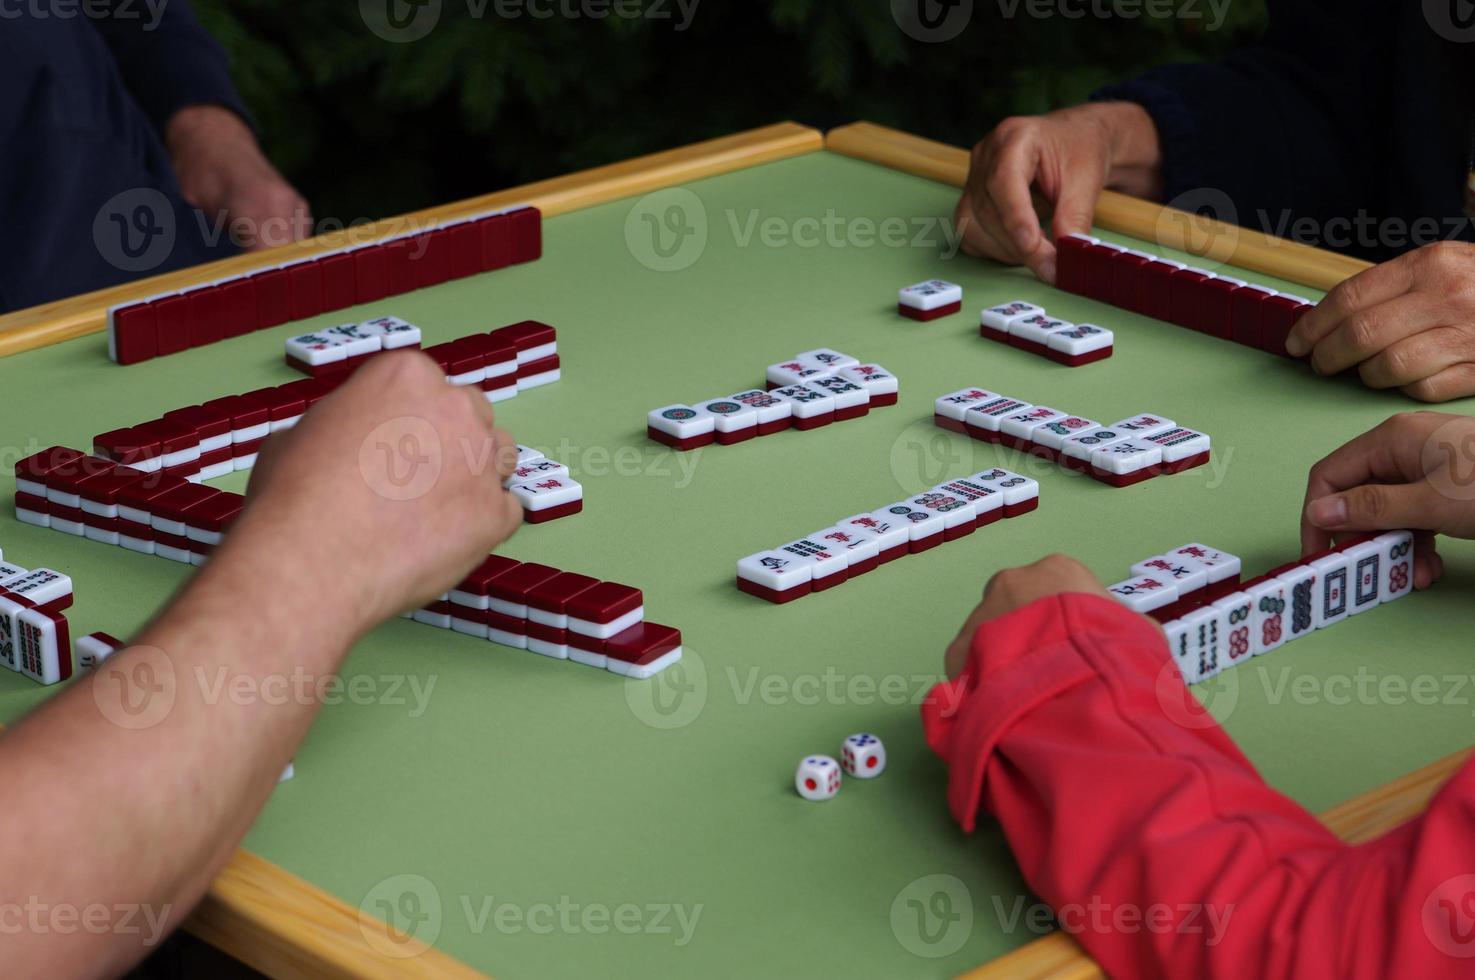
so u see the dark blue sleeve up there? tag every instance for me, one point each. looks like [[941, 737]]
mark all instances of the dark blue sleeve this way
[[1340, 109], [167, 59]]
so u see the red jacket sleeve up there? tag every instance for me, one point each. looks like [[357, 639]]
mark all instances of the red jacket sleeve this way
[[1160, 848]]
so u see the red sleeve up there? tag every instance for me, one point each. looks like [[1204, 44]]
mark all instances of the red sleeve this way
[[1160, 848]]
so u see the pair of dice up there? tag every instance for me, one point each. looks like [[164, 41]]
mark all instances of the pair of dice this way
[[818, 776]]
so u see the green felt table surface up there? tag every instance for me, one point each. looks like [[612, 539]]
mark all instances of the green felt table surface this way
[[553, 820]]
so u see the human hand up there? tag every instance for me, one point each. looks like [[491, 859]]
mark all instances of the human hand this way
[[1408, 323], [1067, 157], [1015, 588], [386, 493], [223, 172], [1415, 471]]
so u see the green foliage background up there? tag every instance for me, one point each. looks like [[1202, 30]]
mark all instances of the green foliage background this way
[[367, 128]]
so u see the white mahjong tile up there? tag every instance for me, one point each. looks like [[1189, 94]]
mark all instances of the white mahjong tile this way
[[1052, 434], [1334, 590], [1023, 423], [9, 571], [827, 360], [731, 415], [1142, 426], [1206, 633], [998, 318], [1016, 488], [931, 295], [543, 469], [986, 499], [1081, 338], [1238, 611], [545, 493], [1189, 577], [1037, 329], [769, 407], [955, 405], [10, 611], [41, 646], [1144, 593], [1398, 565], [394, 333], [1183, 652], [357, 339], [527, 454], [1367, 575], [956, 511], [1219, 564], [40, 585], [1129, 456], [316, 349], [1180, 443], [847, 393], [1267, 616], [857, 546], [682, 421], [1301, 595], [873, 378], [793, 372], [891, 532], [921, 523], [827, 561], [777, 570], [808, 401], [1082, 446], [989, 415]]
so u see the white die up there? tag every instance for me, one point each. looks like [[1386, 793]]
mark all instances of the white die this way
[[863, 756], [818, 778]]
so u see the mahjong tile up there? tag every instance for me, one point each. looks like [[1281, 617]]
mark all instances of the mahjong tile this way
[[770, 408], [357, 339], [1053, 433], [1220, 564], [958, 513], [1398, 565], [1180, 445], [1301, 595], [1016, 488], [1082, 446], [1037, 329], [317, 349], [861, 549], [924, 527], [988, 416], [1206, 635], [543, 469], [1081, 338], [1020, 425], [987, 500], [1188, 577], [1367, 575], [808, 401], [776, 570], [394, 333], [1142, 426], [931, 295], [847, 393], [891, 532], [794, 372], [1333, 590], [731, 417], [1182, 650], [997, 319], [876, 380], [1144, 593], [1267, 616], [953, 406], [827, 360], [828, 562], [682, 422], [1237, 608]]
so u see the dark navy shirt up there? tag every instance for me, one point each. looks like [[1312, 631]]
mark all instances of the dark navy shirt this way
[[88, 198]]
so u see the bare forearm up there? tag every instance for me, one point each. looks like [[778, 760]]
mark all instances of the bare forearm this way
[[132, 788]]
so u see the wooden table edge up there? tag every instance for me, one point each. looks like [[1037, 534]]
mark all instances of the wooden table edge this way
[[1168, 227], [78, 316]]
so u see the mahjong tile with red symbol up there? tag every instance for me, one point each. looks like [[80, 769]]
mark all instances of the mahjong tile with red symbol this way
[[316, 349], [959, 516], [793, 372], [1142, 426], [393, 332], [543, 469], [995, 321], [931, 299], [924, 527], [1126, 462], [1268, 605], [777, 576], [735, 422], [861, 550], [43, 646], [1188, 576], [983, 420], [1235, 608], [1034, 332], [1017, 429], [1052, 435], [548, 499], [827, 360], [988, 502], [851, 400], [948, 411], [1021, 494], [1144, 593], [681, 426], [830, 568], [1397, 565], [1075, 452], [775, 413], [1081, 344], [879, 383], [812, 407], [892, 535], [1183, 449], [1223, 568]]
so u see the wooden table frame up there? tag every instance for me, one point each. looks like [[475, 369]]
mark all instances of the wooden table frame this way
[[286, 927]]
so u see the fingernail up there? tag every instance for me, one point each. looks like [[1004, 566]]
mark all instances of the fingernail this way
[[1327, 512]]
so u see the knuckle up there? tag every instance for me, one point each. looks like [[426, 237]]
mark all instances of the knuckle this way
[[1370, 502], [1363, 332]]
